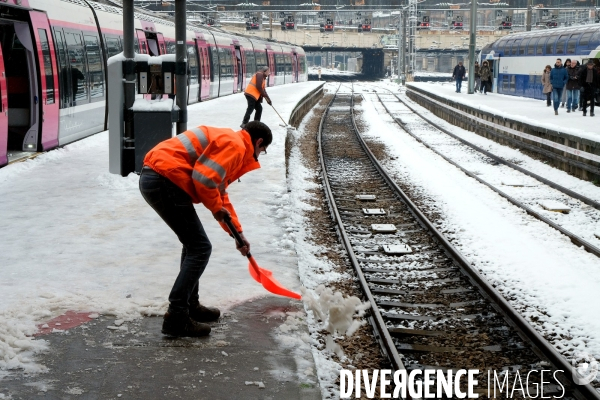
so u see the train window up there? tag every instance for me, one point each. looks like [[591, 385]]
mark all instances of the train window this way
[[505, 83], [505, 47], [585, 39], [523, 46], [515, 47], [250, 64], [261, 60], [112, 46], [550, 44], [540, 46], [48, 70], [513, 82], [192, 64], [213, 55], [531, 46], [225, 61], [572, 43], [560, 44], [94, 58], [171, 47], [77, 63], [63, 72]]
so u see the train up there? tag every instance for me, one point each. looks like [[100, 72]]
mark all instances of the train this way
[[53, 67], [518, 60]]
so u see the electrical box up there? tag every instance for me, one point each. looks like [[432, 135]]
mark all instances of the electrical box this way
[[154, 78]]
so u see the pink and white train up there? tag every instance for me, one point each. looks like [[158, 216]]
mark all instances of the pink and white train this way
[[53, 57]]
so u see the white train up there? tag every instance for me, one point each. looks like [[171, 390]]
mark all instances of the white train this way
[[519, 59]]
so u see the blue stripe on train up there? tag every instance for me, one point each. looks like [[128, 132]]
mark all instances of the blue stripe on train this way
[[521, 85]]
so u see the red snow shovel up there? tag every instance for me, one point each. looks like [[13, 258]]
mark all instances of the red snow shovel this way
[[259, 274]]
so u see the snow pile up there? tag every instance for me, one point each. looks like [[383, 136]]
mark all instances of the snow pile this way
[[336, 313], [143, 105], [292, 335]]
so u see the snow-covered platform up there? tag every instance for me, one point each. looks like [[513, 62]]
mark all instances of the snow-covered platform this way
[[81, 249], [568, 141]]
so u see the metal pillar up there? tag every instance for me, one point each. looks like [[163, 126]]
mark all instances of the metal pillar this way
[[270, 25], [528, 17], [412, 20], [403, 44], [400, 40], [472, 40], [181, 65], [128, 53]]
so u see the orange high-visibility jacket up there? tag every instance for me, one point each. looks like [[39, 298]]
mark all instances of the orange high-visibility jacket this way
[[203, 161], [253, 90]]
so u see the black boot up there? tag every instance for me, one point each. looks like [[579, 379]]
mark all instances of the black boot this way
[[200, 313], [181, 325]]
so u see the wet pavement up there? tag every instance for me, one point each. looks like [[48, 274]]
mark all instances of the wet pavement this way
[[112, 359]]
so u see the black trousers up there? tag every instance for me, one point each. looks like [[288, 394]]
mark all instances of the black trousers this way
[[253, 104], [175, 207], [588, 94]]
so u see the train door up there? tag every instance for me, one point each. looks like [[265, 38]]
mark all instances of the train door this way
[[239, 70], [49, 117], [161, 43], [193, 86], [494, 69], [272, 67], [204, 60], [294, 67], [143, 46], [3, 113]]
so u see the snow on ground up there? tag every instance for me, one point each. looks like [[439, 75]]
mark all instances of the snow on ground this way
[[76, 237], [549, 280], [530, 111]]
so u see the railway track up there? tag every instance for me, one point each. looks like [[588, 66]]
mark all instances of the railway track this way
[[580, 203], [430, 308]]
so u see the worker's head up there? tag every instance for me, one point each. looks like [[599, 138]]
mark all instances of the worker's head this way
[[261, 137], [265, 70], [590, 64]]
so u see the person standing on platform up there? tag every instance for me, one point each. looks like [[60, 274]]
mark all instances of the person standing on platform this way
[[589, 80], [564, 95], [458, 75], [485, 75], [477, 77], [546, 85], [255, 92], [573, 87], [558, 79], [196, 166]]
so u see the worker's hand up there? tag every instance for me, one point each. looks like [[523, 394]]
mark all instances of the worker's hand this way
[[245, 249], [269, 101], [220, 215]]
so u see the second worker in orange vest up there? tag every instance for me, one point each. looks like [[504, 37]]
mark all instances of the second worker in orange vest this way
[[255, 91], [196, 166]]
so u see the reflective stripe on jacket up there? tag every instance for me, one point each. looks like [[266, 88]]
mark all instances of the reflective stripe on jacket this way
[[253, 90], [203, 161]]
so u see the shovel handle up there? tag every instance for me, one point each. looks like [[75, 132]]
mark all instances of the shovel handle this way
[[235, 233], [279, 115]]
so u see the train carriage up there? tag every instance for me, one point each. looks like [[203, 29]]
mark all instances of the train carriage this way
[[53, 56], [518, 59]]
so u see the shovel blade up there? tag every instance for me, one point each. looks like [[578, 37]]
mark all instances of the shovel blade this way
[[265, 277]]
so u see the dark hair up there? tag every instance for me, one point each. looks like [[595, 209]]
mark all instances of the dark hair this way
[[559, 59], [263, 69], [258, 130]]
